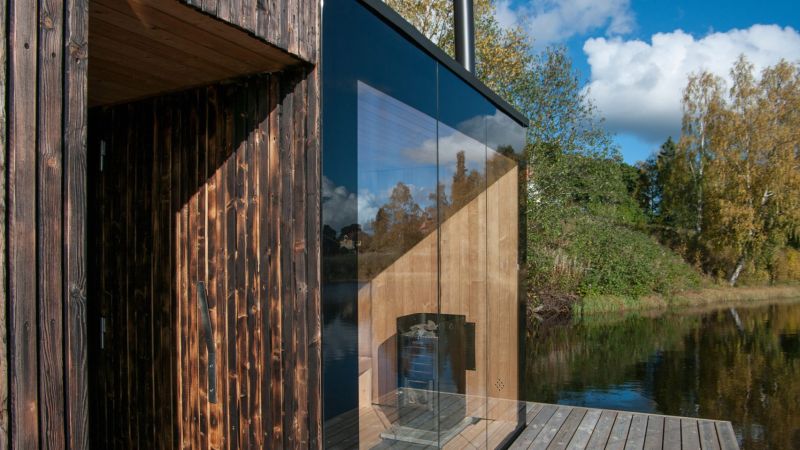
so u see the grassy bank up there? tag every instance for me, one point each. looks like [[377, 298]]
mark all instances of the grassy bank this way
[[700, 297]]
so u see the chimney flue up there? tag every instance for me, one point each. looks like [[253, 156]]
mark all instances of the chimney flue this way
[[464, 33]]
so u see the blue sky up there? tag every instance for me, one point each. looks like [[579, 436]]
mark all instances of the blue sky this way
[[635, 54]]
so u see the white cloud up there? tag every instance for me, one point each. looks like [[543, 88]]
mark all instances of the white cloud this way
[[339, 206], [368, 206], [637, 85], [501, 130], [548, 21]]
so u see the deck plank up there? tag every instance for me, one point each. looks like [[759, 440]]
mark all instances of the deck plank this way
[[727, 439], [672, 433], [568, 429], [534, 428], [708, 435], [551, 428], [637, 432], [619, 432], [584, 432], [654, 440], [555, 427], [532, 410], [602, 431], [690, 438]]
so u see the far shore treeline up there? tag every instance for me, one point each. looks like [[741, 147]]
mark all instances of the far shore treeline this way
[[717, 205]]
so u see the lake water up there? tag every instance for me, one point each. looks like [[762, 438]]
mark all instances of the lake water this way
[[740, 364]]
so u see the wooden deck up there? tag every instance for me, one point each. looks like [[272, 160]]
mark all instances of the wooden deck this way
[[548, 427], [567, 427]]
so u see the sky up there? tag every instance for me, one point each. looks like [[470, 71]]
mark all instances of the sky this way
[[635, 55]]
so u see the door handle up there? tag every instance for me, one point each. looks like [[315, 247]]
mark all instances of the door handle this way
[[205, 318]]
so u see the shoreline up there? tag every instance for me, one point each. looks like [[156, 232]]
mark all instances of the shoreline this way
[[710, 296]]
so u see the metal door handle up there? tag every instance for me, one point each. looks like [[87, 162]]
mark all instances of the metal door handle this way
[[209, 338]]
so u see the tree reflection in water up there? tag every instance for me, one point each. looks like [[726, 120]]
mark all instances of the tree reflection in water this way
[[701, 364]]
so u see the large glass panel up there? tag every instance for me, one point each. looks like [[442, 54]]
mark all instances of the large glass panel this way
[[380, 260], [420, 235], [397, 263], [505, 296], [462, 250]]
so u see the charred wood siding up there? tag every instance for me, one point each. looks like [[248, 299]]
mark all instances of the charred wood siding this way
[[44, 225], [292, 25], [46, 287], [220, 185]]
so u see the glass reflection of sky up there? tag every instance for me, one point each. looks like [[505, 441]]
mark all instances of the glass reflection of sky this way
[[397, 143], [389, 131]]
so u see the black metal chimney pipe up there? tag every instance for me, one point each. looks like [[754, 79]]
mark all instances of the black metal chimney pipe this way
[[465, 33]]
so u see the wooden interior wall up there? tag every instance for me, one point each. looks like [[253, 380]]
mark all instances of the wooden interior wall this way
[[477, 279], [292, 25], [44, 77], [220, 185]]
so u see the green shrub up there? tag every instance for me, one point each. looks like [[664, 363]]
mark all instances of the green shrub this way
[[618, 260]]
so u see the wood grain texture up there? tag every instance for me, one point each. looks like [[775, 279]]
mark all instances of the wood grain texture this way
[[690, 434], [672, 433], [49, 248], [213, 188], [727, 438], [637, 432], [3, 244], [542, 421], [708, 435], [22, 225], [142, 290], [46, 223], [615, 429], [290, 25], [441, 273], [313, 228], [75, 227], [655, 433], [142, 48]]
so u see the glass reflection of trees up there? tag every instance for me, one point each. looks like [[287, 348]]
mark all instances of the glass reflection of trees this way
[[397, 142], [401, 222]]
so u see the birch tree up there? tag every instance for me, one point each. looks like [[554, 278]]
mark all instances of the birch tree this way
[[740, 150]]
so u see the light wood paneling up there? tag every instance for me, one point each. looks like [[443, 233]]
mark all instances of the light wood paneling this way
[[141, 48], [477, 252]]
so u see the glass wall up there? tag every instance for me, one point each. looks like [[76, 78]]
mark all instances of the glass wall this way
[[420, 246]]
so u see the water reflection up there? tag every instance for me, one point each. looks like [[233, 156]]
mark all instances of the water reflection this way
[[739, 364]]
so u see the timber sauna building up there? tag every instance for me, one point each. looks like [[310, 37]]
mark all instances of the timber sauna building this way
[[234, 224]]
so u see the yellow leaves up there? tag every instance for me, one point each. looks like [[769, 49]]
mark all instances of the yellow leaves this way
[[502, 55], [740, 150]]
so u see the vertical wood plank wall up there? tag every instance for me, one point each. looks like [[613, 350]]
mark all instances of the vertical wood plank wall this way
[[217, 184], [44, 390], [3, 216], [292, 25], [44, 77]]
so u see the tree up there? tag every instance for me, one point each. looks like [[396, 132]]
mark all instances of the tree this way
[[502, 56], [736, 166], [702, 106], [576, 178]]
